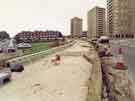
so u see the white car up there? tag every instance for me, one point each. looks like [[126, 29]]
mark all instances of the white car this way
[[24, 45], [5, 76]]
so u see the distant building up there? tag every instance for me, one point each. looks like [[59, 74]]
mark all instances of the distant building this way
[[83, 34], [96, 22], [121, 18], [76, 27], [38, 36], [8, 46]]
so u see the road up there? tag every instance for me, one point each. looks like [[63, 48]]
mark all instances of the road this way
[[44, 81], [129, 56]]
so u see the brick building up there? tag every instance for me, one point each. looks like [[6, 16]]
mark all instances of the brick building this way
[[38, 36]]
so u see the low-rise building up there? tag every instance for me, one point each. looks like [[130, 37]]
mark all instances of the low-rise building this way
[[38, 36]]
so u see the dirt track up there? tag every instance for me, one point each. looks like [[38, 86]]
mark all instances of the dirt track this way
[[43, 81]]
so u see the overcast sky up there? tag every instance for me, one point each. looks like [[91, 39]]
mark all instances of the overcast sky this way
[[18, 15]]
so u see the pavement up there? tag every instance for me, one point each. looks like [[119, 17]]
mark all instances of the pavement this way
[[44, 81]]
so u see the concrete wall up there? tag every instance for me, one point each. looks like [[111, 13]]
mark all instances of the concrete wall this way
[[95, 81]]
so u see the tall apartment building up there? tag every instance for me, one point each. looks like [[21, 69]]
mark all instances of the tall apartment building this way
[[132, 17], [96, 22], [121, 18], [76, 27]]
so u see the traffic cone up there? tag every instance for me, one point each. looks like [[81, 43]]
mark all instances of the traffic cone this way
[[120, 64], [56, 60]]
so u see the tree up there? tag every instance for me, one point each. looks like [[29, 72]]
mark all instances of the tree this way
[[4, 35]]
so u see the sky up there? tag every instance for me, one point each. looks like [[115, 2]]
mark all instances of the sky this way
[[19, 15]]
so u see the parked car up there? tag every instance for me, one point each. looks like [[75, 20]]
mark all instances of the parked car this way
[[104, 40], [5, 76], [15, 66]]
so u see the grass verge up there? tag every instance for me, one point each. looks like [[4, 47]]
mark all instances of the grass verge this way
[[36, 47]]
